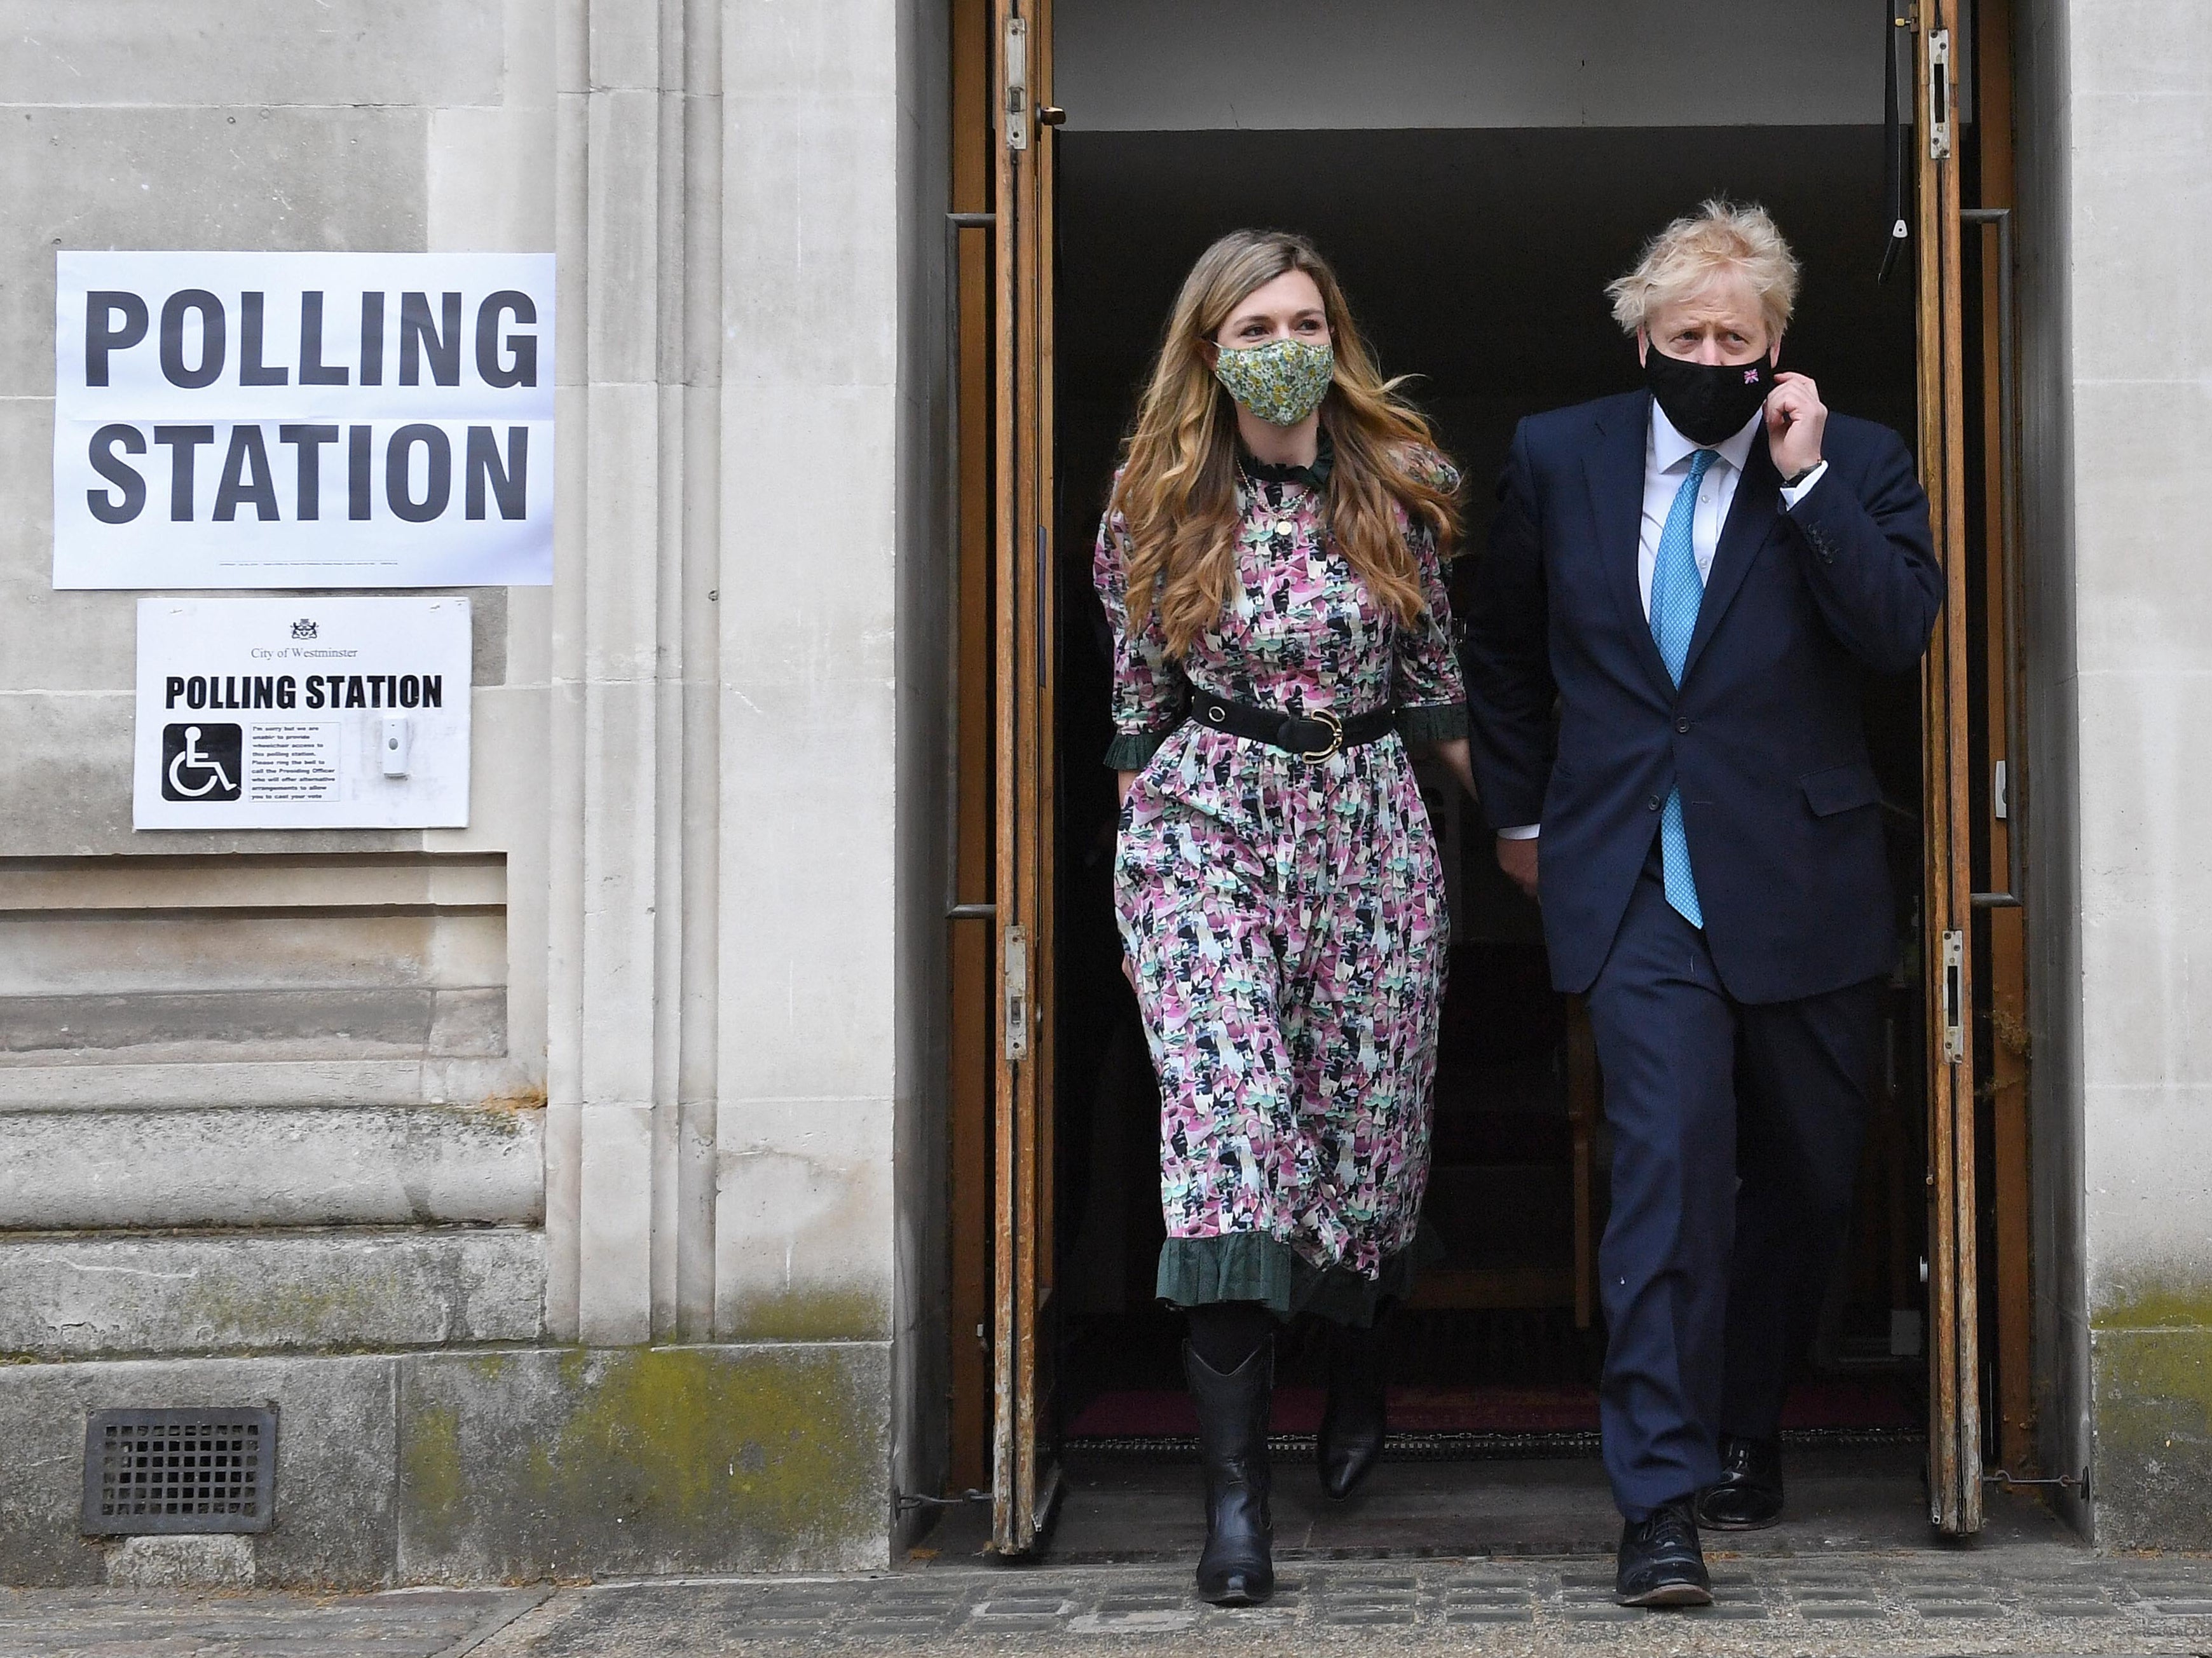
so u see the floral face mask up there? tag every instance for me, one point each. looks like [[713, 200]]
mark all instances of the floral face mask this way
[[1282, 382]]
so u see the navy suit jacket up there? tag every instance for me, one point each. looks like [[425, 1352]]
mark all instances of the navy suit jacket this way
[[1764, 737]]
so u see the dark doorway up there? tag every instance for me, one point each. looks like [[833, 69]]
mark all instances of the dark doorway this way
[[1476, 259]]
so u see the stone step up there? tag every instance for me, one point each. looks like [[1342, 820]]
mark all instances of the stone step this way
[[111, 1170], [102, 1296], [139, 1085]]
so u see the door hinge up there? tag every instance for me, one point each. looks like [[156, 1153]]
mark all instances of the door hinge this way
[[1954, 977], [1014, 107], [1939, 96], [1015, 971]]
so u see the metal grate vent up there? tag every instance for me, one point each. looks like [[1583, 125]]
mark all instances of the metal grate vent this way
[[153, 1472]]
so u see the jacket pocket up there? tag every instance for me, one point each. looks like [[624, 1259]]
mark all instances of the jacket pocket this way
[[1840, 788]]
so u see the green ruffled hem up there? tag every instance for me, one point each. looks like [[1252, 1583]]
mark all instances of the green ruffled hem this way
[[1435, 722], [1253, 1266], [1133, 751]]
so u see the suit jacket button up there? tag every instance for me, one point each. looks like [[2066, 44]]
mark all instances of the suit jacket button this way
[[1683, 726], [1652, 805]]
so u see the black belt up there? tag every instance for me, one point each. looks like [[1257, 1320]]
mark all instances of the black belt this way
[[1314, 736]]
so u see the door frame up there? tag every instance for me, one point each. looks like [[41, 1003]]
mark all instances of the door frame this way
[[1006, 594], [1954, 1487], [1024, 1473]]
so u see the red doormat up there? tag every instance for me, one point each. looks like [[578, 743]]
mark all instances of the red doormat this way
[[1875, 1403]]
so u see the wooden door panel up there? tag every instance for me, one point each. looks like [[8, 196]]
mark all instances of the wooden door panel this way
[[1022, 1473], [1954, 1483]]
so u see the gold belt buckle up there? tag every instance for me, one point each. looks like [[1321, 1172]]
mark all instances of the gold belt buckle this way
[[1335, 735]]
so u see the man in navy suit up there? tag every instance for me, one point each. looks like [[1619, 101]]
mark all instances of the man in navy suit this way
[[1685, 592]]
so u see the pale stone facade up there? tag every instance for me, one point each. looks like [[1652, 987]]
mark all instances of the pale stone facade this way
[[624, 1064], [532, 1167], [2117, 215]]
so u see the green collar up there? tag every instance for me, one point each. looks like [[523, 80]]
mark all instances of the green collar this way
[[1314, 477]]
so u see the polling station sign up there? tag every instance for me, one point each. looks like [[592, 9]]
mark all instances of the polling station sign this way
[[303, 420], [306, 713]]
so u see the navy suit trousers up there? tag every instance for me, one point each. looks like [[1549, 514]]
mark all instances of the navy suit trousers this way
[[1736, 1129]]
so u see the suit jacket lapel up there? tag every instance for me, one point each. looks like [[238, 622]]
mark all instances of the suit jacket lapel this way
[[1753, 515], [1614, 470]]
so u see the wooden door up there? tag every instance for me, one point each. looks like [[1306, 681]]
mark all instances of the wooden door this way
[[1954, 1431], [1024, 1475], [2001, 969]]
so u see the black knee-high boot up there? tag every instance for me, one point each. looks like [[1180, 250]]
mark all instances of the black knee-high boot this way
[[1352, 1422], [1238, 1566]]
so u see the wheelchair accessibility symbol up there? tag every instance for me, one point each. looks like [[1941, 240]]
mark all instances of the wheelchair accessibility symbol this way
[[202, 762]]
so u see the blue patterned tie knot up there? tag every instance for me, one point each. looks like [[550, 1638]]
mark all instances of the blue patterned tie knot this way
[[1677, 591]]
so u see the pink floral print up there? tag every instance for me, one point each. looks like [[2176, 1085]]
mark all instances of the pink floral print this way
[[1287, 917]]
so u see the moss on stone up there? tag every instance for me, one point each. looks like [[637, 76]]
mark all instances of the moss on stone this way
[[816, 1315], [2154, 1305], [585, 1461], [430, 1469], [317, 1313], [2151, 1394], [2151, 1401]]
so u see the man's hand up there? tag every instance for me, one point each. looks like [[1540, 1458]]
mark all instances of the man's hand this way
[[1796, 419], [1518, 860]]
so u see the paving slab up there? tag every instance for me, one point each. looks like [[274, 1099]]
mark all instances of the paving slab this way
[[2005, 1604], [1427, 1561], [184, 1624], [2002, 1602]]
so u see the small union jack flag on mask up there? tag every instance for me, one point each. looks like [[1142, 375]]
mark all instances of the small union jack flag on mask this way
[[1751, 376]]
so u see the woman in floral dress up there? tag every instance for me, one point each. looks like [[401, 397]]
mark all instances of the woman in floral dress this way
[[1271, 563]]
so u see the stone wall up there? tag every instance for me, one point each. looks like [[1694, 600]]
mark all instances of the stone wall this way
[[372, 1125], [2137, 197], [257, 1090]]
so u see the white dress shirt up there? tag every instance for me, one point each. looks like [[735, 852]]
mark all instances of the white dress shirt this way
[[1667, 455]]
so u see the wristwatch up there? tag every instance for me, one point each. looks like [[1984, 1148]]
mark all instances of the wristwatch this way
[[1797, 478]]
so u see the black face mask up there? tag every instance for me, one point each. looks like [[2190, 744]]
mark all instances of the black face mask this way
[[1708, 403]]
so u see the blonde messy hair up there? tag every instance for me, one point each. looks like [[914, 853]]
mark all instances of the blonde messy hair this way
[[1722, 236], [1177, 490]]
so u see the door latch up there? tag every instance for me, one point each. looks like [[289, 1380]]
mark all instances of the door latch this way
[[1939, 96], [1954, 977], [1014, 971], [2066, 1482], [1015, 106]]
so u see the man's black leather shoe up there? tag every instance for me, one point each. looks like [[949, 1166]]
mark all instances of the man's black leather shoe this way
[[1661, 1565], [1747, 1497]]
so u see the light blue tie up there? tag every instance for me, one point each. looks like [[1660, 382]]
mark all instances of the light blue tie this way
[[1677, 589]]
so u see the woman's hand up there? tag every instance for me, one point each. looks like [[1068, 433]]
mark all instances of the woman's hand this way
[[1454, 754], [1517, 858]]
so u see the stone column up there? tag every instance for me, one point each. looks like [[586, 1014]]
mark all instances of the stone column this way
[[632, 961], [2116, 221], [812, 377], [723, 1055]]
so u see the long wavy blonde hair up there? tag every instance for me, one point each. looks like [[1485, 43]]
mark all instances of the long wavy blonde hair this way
[[1177, 489]]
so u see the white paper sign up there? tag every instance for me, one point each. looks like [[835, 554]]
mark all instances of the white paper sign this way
[[303, 420], [302, 714]]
